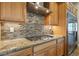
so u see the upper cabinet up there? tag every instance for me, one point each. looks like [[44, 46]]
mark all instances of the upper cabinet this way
[[14, 11], [54, 15], [18, 11], [52, 18], [5, 11]]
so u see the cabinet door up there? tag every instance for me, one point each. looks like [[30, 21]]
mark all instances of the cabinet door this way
[[46, 49], [18, 11], [53, 17], [5, 11], [52, 51], [49, 51], [25, 52], [41, 53], [60, 47], [13, 11], [54, 14]]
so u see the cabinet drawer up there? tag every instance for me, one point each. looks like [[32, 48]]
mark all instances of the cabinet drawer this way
[[42, 46], [25, 52], [48, 51]]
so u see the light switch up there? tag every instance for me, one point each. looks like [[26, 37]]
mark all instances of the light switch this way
[[11, 29]]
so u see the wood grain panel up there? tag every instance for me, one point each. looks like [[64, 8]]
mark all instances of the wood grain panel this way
[[42, 46], [52, 19], [25, 52], [13, 11]]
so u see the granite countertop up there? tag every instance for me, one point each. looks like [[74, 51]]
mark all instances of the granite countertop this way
[[9, 46]]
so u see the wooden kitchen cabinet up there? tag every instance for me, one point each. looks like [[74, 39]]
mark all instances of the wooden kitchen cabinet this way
[[18, 11], [54, 15], [46, 49], [25, 52], [5, 11], [42, 52], [13, 11], [52, 18], [49, 51], [52, 51], [60, 47]]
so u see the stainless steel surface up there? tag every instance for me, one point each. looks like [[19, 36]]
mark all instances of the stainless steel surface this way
[[71, 29], [41, 37]]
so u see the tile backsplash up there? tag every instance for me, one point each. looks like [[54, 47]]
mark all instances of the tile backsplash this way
[[32, 30], [11, 30], [35, 18], [6, 31]]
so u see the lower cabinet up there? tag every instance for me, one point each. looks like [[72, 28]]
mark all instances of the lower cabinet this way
[[52, 51], [60, 47], [53, 48], [25, 52], [46, 49], [49, 51], [42, 52]]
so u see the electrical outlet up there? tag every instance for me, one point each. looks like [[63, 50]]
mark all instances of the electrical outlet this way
[[11, 29]]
